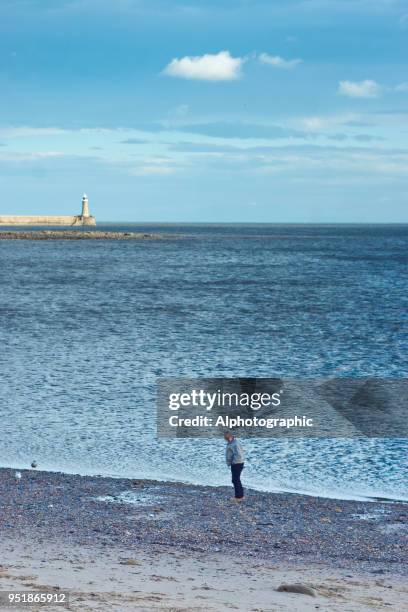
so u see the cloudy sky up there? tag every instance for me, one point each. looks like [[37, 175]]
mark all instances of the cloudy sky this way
[[213, 110]]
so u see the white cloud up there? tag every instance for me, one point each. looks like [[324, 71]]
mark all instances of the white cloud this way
[[359, 89], [153, 171], [279, 62], [315, 124], [402, 87], [27, 131], [154, 166], [217, 67], [182, 110], [30, 155], [376, 163], [325, 122]]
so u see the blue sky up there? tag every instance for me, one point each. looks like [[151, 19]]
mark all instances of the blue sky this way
[[223, 111]]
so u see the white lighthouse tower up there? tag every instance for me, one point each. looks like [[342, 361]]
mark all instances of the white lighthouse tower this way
[[85, 218], [85, 206]]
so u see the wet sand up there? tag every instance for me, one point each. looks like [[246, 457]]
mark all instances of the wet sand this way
[[119, 544]]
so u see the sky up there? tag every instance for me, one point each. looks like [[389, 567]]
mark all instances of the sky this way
[[286, 111]]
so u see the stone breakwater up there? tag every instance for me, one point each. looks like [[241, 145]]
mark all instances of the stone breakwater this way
[[76, 235], [47, 220]]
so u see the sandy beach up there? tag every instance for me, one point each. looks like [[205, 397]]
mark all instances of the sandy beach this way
[[118, 544]]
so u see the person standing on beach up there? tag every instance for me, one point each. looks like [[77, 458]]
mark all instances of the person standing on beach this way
[[235, 459]]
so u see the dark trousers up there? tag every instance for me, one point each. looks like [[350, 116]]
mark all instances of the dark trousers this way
[[236, 469]]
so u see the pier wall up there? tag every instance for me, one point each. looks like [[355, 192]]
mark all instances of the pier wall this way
[[46, 220]]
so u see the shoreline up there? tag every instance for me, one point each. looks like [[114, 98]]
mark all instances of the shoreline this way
[[380, 498], [143, 544], [78, 235]]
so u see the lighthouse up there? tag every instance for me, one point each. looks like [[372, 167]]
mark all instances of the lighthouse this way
[[85, 206], [84, 218]]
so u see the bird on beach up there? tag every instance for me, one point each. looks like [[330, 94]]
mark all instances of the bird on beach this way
[[34, 464], [17, 476]]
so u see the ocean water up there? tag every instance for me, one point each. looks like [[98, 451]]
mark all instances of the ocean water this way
[[87, 327]]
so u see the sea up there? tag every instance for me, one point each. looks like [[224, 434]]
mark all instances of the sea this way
[[87, 328]]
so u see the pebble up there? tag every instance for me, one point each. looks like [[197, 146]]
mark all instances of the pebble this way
[[66, 508]]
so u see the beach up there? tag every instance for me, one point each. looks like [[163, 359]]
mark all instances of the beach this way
[[120, 544]]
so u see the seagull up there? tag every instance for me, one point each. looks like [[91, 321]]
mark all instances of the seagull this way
[[17, 476], [34, 464]]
